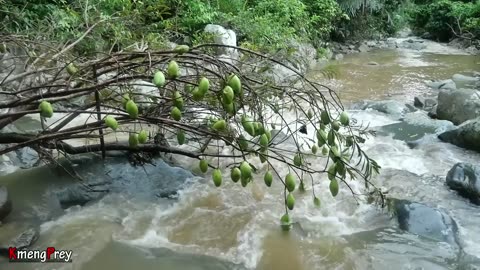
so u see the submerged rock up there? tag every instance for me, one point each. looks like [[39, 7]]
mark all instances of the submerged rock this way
[[149, 181], [424, 103], [465, 178], [466, 135], [5, 203], [445, 84], [463, 81], [426, 221], [391, 107], [415, 126], [458, 106]]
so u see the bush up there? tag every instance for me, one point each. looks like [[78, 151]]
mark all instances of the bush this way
[[446, 19]]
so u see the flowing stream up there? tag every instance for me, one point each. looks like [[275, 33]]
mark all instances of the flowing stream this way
[[236, 228]]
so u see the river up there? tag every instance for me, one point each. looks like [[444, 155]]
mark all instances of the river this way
[[235, 228]]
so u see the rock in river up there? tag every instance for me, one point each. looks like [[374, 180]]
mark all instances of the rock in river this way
[[117, 175], [466, 135], [5, 203], [426, 221], [390, 107], [20, 241], [465, 178], [458, 106]]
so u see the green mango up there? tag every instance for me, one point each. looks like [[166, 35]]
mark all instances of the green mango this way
[[181, 49], [131, 109], [290, 201], [325, 117], [336, 125], [297, 160], [203, 85], [333, 187], [46, 109], [217, 177], [173, 70], [133, 140], [290, 182], [332, 171], [235, 174], [71, 69], [316, 201], [344, 119], [228, 95], [220, 125], [264, 141], [203, 165], [314, 149], [331, 137], [242, 143], [268, 178], [111, 122], [142, 136], [245, 170], [176, 114], [181, 137], [235, 84], [159, 79]]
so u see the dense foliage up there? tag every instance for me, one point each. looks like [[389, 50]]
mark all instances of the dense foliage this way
[[446, 19]]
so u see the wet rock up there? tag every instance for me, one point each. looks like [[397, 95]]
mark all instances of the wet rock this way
[[5, 203], [390, 107], [21, 241], [149, 181], [466, 135], [81, 194], [458, 106], [432, 113], [414, 126], [465, 178], [372, 63], [463, 81], [426, 221], [424, 103], [363, 48], [404, 33], [413, 44], [445, 84], [338, 56]]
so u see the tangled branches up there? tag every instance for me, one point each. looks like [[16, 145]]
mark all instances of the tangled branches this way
[[224, 113]]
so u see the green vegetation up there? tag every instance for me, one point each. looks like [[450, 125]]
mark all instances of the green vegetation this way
[[445, 19]]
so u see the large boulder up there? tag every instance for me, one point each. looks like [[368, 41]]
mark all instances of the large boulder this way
[[149, 181], [5, 203], [223, 36], [458, 106], [466, 135], [463, 81], [426, 221], [465, 178], [391, 107]]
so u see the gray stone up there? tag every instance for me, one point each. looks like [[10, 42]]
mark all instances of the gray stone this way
[[466, 135], [458, 106], [149, 181], [433, 112], [338, 56], [463, 81], [413, 44], [371, 43], [390, 107], [372, 63], [415, 125], [5, 203], [363, 48], [465, 178], [445, 84], [424, 103], [426, 221], [419, 102]]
